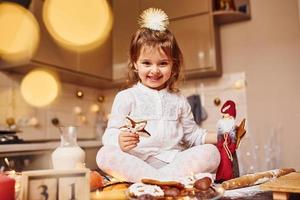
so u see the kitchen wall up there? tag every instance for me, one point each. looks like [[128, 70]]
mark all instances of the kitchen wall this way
[[13, 105], [267, 49]]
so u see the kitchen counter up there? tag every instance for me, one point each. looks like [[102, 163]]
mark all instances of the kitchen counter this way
[[32, 155], [43, 145], [263, 195]]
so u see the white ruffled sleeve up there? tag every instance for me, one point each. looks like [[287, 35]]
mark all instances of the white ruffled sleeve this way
[[120, 109], [193, 134]]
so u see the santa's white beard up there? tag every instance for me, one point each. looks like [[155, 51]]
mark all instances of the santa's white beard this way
[[225, 125]]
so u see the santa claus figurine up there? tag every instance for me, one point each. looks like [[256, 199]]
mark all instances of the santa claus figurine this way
[[226, 141]]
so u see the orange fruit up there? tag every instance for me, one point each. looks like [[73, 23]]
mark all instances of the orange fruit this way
[[96, 180], [116, 186]]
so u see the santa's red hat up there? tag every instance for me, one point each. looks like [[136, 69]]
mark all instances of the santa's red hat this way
[[229, 108]]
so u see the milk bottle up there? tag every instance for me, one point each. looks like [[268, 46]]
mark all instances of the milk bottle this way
[[68, 155]]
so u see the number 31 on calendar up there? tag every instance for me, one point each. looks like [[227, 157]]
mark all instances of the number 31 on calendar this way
[[56, 184]]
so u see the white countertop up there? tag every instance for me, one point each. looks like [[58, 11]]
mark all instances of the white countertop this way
[[6, 148]]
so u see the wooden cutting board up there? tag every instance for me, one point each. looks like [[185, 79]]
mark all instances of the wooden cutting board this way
[[283, 185]]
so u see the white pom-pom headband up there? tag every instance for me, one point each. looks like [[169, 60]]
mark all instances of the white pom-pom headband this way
[[154, 19]]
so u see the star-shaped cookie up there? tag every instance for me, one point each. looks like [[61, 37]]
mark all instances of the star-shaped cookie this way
[[137, 127]]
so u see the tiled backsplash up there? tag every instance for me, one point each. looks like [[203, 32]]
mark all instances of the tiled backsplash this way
[[229, 87], [13, 105]]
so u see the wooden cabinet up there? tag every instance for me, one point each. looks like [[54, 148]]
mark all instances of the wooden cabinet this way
[[178, 8], [195, 23], [239, 12], [196, 39], [48, 51], [96, 62], [125, 24], [90, 68], [196, 27]]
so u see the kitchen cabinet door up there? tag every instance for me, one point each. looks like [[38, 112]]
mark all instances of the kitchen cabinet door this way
[[177, 8], [96, 62], [49, 52], [197, 39], [125, 24]]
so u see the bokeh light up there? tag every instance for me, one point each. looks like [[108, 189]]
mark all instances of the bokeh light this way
[[39, 87], [19, 35], [78, 25]]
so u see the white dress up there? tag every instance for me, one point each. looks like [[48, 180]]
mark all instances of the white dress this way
[[169, 121]]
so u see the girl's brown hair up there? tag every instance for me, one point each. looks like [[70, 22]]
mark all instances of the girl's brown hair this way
[[163, 39]]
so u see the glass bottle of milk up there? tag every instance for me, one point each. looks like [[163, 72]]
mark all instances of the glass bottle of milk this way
[[68, 155]]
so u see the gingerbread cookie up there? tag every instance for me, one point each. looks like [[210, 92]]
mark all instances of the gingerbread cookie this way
[[139, 189], [137, 127], [178, 185], [188, 181], [203, 184]]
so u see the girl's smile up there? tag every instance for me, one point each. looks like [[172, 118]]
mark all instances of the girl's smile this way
[[154, 67]]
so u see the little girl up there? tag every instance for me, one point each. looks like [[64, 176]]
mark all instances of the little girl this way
[[177, 147]]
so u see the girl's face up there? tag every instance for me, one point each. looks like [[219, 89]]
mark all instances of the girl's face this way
[[154, 67]]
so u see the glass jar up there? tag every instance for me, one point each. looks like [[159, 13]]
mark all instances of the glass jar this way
[[68, 155]]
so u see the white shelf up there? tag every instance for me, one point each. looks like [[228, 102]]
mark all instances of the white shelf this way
[[225, 17]]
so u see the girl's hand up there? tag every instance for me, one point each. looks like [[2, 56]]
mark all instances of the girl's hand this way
[[128, 141]]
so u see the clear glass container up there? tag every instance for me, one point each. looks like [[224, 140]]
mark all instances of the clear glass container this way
[[68, 155]]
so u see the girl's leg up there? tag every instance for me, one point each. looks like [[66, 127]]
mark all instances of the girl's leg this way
[[156, 163], [124, 166], [198, 159]]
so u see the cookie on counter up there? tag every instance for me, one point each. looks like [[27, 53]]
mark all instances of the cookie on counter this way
[[139, 189]]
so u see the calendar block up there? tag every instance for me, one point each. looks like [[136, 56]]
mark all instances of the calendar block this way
[[56, 184]]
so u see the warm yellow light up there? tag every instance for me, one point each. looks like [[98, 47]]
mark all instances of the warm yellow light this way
[[94, 108], [78, 25], [39, 88], [239, 84], [19, 35]]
